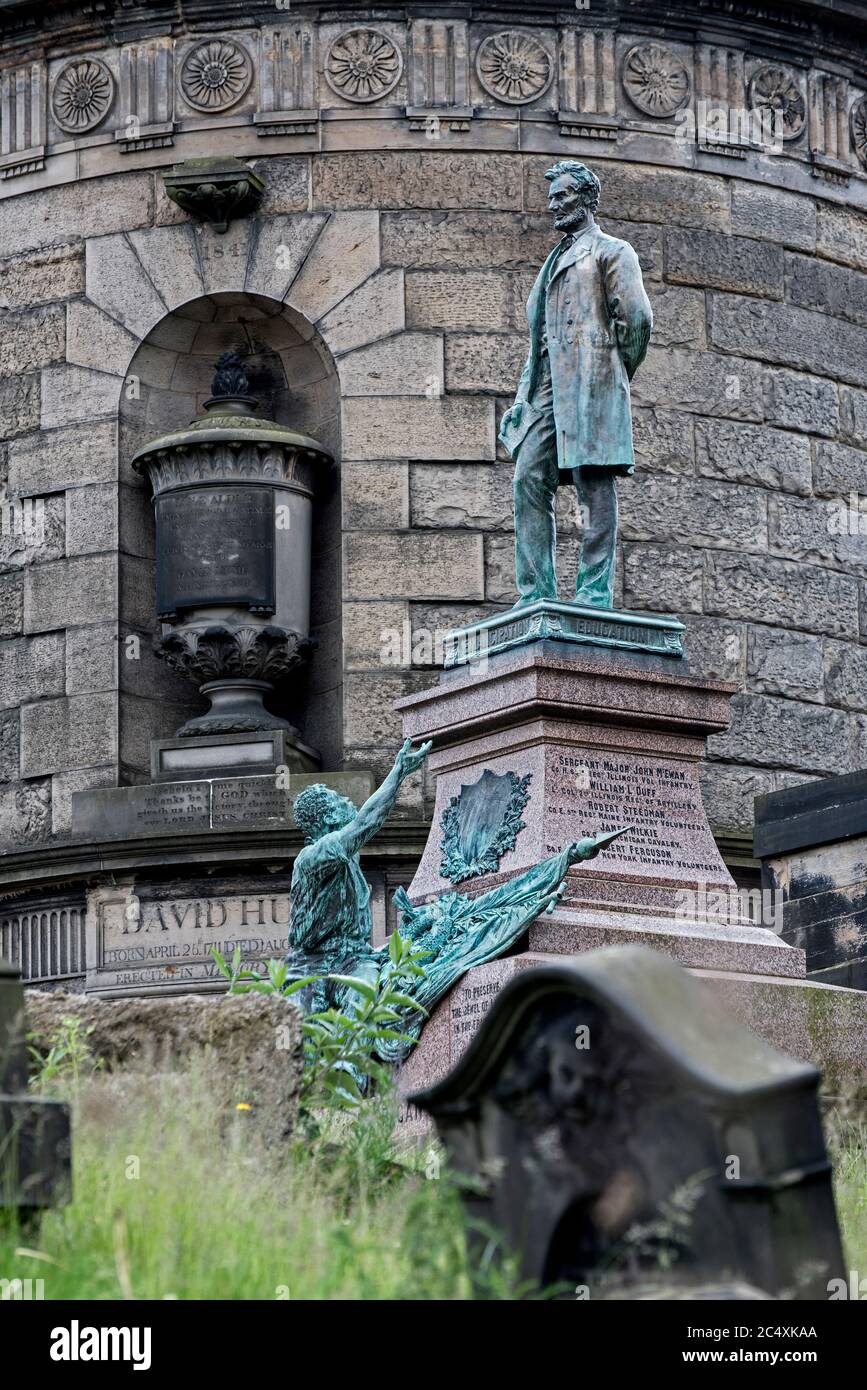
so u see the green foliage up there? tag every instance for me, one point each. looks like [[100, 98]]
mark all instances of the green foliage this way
[[849, 1154], [340, 1043], [334, 1215], [68, 1055], [659, 1242], [175, 1196]]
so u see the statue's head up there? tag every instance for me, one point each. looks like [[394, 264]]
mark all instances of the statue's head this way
[[319, 810], [574, 194]]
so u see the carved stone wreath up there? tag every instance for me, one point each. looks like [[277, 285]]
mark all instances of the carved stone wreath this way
[[859, 129], [481, 824], [363, 65], [774, 90], [655, 79], [215, 75], [514, 67], [82, 95]]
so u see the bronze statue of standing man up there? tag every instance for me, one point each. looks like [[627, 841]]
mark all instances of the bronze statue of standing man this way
[[590, 323]]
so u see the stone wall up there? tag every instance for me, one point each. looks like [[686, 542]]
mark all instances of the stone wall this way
[[408, 247]]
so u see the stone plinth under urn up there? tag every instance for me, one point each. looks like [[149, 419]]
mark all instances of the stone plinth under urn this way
[[233, 503]]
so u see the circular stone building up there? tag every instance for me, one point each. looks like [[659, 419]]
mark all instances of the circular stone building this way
[[373, 269]]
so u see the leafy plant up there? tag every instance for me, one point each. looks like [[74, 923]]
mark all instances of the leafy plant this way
[[663, 1239], [340, 1043], [68, 1055]]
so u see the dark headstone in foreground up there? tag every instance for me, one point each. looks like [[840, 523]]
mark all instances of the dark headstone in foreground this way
[[617, 1130], [35, 1146]]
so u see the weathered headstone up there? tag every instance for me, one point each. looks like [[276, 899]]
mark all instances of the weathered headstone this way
[[619, 1131], [35, 1145]]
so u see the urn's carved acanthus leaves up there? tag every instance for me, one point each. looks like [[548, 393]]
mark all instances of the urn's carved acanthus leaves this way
[[514, 67], [253, 653], [82, 95], [775, 93], [233, 460], [215, 75], [859, 129], [655, 79], [363, 65]]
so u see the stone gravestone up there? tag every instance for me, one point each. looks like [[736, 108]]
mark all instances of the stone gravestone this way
[[34, 1133], [621, 1133]]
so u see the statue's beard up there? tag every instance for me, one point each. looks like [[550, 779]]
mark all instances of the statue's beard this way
[[570, 221]]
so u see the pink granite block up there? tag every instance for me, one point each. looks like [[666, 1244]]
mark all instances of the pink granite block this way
[[821, 1024]]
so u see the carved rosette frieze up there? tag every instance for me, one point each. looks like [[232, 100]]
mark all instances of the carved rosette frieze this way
[[775, 93], [655, 79], [858, 120], [82, 95], [363, 65], [586, 76], [514, 67], [216, 75]]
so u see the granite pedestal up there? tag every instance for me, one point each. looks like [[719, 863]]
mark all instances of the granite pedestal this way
[[599, 739]]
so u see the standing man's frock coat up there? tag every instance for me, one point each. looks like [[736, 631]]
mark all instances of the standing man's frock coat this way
[[588, 311]]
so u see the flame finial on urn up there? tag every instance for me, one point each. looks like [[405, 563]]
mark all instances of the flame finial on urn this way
[[230, 378]]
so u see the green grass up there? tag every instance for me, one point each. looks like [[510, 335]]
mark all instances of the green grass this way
[[849, 1155], [174, 1199]]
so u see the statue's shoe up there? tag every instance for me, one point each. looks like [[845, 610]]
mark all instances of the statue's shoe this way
[[588, 599], [527, 602]]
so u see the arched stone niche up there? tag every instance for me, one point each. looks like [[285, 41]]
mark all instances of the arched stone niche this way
[[293, 376]]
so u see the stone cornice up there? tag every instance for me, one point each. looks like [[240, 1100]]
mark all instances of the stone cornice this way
[[39, 27], [40, 868]]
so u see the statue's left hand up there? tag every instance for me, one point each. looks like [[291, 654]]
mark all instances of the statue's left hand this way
[[589, 848], [583, 849], [410, 759]]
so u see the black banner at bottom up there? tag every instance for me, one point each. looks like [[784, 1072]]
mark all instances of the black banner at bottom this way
[[53, 1341]]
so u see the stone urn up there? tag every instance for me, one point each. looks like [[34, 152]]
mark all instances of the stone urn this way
[[233, 503]]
